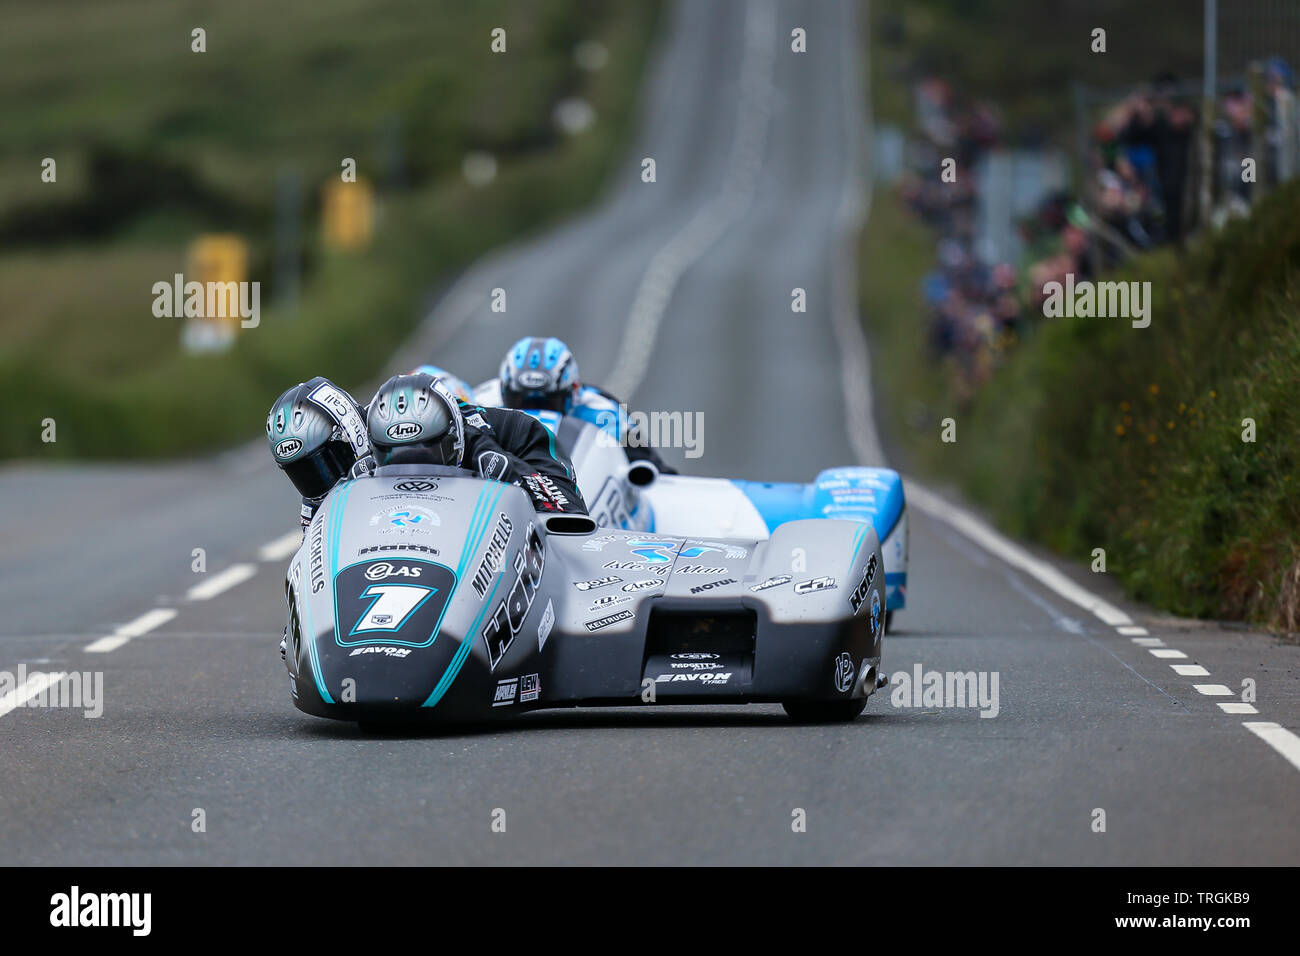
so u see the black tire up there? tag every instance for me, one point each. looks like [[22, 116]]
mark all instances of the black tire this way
[[824, 711]]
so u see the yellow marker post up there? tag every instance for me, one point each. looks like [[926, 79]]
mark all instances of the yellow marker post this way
[[219, 263], [348, 214]]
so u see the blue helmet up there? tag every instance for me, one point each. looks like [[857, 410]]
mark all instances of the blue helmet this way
[[539, 373]]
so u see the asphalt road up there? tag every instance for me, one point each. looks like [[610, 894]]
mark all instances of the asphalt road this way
[[678, 291]]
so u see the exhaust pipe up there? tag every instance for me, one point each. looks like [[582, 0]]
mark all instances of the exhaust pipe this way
[[642, 474]]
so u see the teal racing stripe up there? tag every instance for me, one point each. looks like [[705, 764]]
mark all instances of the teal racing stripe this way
[[471, 634], [335, 521], [550, 439]]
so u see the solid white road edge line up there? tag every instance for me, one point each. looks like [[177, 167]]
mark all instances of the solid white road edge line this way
[[1013, 554], [227, 579], [31, 687]]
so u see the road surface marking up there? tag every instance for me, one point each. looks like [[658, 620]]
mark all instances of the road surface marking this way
[[281, 547], [1129, 631], [713, 219], [227, 579], [31, 687], [1013, 554], [141, 625], [1165, 653], [1230, 707], [1213, 690], [1148, 642], [1277, 737], [1190, 670]]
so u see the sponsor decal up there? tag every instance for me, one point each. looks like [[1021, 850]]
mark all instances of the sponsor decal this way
[[391, 603], [694, 656], [410, 519], [637, 566], [598, 583], [345, 413], [477, 421], [288, 448], [505, 692], [698, 569], [877, 619], [494, 559], [422, 548], [643, 585], [492, 464], [404, 431], [317, 555], [545, 624], [816, 584], [533, 379], [416, 485], [609, 509], [696, 665], [860, 592], [843, 672], [398, 652], [383, 569], [609, 619], [609, 600], [696, 548], [530, 688], [713, 584], [708, 677], [599, 542], [654, 551], [545, 492], [775, 582], [511, 612]]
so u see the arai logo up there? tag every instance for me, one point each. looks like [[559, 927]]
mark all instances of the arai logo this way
[[288, 448], [533, 379], [404, 431]]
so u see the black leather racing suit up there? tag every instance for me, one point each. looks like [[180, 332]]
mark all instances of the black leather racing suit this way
[[512, 446]]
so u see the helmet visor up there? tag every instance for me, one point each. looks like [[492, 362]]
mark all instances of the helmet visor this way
[[551, 401], [315, 474]]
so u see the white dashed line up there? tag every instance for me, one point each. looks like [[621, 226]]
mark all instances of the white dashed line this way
[[1165, 653], [1190, 670], [227, 579], [31, 687], [1148, 641], [281, 547], [1230, 707], [1130, 630], [1277, 737], [144, 623], [1213, 690]]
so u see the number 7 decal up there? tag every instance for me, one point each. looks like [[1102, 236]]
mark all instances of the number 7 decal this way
[[390, 606]]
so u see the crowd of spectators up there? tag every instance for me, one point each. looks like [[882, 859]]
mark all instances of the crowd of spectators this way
[[1140, 192]]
